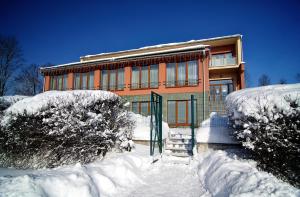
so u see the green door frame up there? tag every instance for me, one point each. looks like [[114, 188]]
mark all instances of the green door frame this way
[[156, 122]]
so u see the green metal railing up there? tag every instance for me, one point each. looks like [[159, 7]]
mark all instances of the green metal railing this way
[[156, 123], [192, 122]]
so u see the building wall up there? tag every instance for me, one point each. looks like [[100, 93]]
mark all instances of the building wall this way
[[202, 100]]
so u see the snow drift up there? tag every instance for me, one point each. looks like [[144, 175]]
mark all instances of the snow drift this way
[[267, 121], [224, 174], [142, 127], [55, 128]]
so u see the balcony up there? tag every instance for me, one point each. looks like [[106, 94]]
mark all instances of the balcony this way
[[182, 83], [221, 60], [136, 86]]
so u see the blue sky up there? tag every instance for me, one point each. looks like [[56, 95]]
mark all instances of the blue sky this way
[[62, 31]]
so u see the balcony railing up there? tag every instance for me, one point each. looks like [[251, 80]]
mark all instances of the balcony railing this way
[[119, 87], [182, 83], [135, 86], [217, 62]]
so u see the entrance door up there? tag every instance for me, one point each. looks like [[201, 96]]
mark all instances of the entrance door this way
[[219, 89]]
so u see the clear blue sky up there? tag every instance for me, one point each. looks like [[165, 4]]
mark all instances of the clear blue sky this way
[[60, 32]]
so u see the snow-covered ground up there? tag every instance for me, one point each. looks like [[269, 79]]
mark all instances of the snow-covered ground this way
[[212, 130], [216, 173], [142, 127]]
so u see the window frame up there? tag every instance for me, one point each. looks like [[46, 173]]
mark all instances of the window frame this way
[[186, 81], [139, 84], [54, 81], [87, 83], [186, 123], [139, 107], [116, 88]]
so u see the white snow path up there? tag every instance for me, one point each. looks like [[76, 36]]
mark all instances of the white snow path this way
[[170, 180]]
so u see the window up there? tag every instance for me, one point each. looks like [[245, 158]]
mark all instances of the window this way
[[141, 107], [112, 79], [179, 112], [144, 76], [219, 89], [59, 82], [84, 81], [182, 74], [222, 59]]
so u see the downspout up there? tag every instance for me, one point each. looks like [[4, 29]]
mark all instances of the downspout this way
[[203, 77]]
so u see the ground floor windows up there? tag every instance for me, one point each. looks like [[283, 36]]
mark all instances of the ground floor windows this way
[[179, 112], [112, 79], [141, 107], [84, 81], [59, 82]]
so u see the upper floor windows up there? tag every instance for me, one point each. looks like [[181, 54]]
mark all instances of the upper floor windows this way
[[222, 59], [112, 79], [84, 81], [182, 74], [144, 77], [59, 82]]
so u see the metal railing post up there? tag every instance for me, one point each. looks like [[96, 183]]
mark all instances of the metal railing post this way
[[192, 122]]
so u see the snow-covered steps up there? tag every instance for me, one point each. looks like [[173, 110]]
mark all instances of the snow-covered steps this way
[[176, 160], [179, 143]]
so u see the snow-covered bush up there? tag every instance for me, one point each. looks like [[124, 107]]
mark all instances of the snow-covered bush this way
[[6, 101], [55, 128], [267, 121]]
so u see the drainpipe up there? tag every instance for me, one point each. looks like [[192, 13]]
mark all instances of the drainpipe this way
[[203, 70]]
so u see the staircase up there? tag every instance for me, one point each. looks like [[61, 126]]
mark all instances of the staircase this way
[[178, 146]]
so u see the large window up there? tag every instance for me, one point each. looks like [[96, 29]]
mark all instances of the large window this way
[[222, 59], [112, 79], [179, 112], [182, 74], [144, 77], [141, 107], [59, 82], [84, 81]]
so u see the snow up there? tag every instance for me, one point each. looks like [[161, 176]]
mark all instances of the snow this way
[[142, 127], [215, 130], [248, 102], [36, 103], [216, 173], [6, 101], [199, 46]]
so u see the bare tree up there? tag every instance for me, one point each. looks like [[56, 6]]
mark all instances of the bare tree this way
[[298, 77], [282, 81], [264, 80], [11, 57], [29, 81]]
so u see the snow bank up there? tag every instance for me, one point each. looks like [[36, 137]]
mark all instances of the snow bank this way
[[6, 101], [142, 127], [37, 103], [225, 175], [250, 101], [215, 129], [115, 176], [216, 173]]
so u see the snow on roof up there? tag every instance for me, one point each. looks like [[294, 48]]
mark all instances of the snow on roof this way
[[168, 44], [146, 53], [199, 46]]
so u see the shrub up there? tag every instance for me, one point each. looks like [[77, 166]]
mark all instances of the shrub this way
[[267, 121], [56, 128]]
